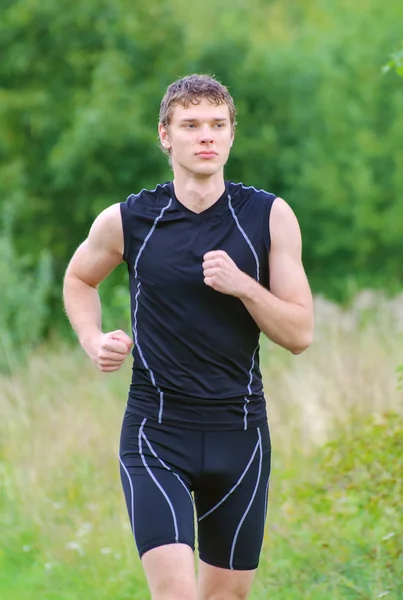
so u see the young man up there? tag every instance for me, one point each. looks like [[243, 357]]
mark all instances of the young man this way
[[211, 265]]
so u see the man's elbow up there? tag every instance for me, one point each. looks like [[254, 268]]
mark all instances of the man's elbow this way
[[302, 343], [72, 280]]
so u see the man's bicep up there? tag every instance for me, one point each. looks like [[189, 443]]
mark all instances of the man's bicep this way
[[288, 280], [101, 252], [92, 265]]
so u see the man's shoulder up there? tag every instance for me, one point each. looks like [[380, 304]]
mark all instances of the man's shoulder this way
[[239, 191], [149, 197]]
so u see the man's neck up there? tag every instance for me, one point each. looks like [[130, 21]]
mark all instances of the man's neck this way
[[198, 193]]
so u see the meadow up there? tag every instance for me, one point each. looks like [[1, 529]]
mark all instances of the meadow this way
[[335, 521]]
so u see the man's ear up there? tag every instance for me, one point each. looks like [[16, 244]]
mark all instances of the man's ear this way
[[164, 136]]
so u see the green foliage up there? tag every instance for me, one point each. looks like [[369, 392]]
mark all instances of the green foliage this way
[[395, 63], [79, 99], [24, 295], [339, 529], [362, 473], [320, 126], [80, 86]]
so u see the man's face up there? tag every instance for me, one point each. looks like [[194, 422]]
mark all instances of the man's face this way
[[199, 137]]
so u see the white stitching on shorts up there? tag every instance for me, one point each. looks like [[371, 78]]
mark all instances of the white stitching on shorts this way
[[166, 466], [131, 493], [234, 487], [159, 486], [231, 560]]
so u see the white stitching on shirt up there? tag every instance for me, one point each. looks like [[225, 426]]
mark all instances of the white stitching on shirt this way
[[135, 332]]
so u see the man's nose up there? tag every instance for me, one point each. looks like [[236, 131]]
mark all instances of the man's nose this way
[[206, 134]]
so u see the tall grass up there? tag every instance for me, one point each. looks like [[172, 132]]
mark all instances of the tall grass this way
[[350, 371], [64, 529]]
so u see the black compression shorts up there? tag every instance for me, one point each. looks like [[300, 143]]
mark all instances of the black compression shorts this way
[[168, 472]]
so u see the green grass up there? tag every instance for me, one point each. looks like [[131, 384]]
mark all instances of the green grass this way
[[335, 520], [334, 531]]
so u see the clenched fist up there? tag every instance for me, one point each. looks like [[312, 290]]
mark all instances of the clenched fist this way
[[109, 350], [222, 274]]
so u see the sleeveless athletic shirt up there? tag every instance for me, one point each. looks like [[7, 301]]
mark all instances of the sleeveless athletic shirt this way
[[196, 350]]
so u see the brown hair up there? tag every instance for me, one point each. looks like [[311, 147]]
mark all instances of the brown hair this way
[[189, 90]]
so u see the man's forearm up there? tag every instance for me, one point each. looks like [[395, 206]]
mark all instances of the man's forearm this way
[[285, 323], [83, 308]]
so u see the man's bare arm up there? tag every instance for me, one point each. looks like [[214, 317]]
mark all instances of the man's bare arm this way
[[285, 313], [92, 262]]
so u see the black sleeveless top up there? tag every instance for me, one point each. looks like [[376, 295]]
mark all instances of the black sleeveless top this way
[[196, 350]]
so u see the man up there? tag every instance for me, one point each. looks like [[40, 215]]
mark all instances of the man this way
[[211, 265]]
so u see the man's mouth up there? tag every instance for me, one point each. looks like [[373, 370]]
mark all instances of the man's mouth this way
[[207, 154]]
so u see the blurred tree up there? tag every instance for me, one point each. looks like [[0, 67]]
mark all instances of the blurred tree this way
[[78, 112], [320, 126], [24, 293], [395, 62], [80, 86]]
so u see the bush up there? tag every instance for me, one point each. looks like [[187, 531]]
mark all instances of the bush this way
[[24, 294], [338, 531]]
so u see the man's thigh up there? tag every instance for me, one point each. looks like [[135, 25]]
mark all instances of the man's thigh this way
[[231, 500], [170, 572], [157, 492]]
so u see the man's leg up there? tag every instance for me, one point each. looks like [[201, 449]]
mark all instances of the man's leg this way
[[231, 508], [170, 572], [160, 507], [222, 584]]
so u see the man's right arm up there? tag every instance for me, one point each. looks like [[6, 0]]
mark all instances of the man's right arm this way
[[92, 262]]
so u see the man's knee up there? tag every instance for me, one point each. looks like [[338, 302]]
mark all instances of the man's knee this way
[[173, 588], [173, 594], [227, 595], [216, 583], [170, 572]]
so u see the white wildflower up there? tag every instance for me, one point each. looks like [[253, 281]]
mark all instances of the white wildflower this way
[[75, 546], [84, 529]]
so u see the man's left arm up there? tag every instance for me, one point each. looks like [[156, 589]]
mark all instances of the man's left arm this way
[[285, 312]]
